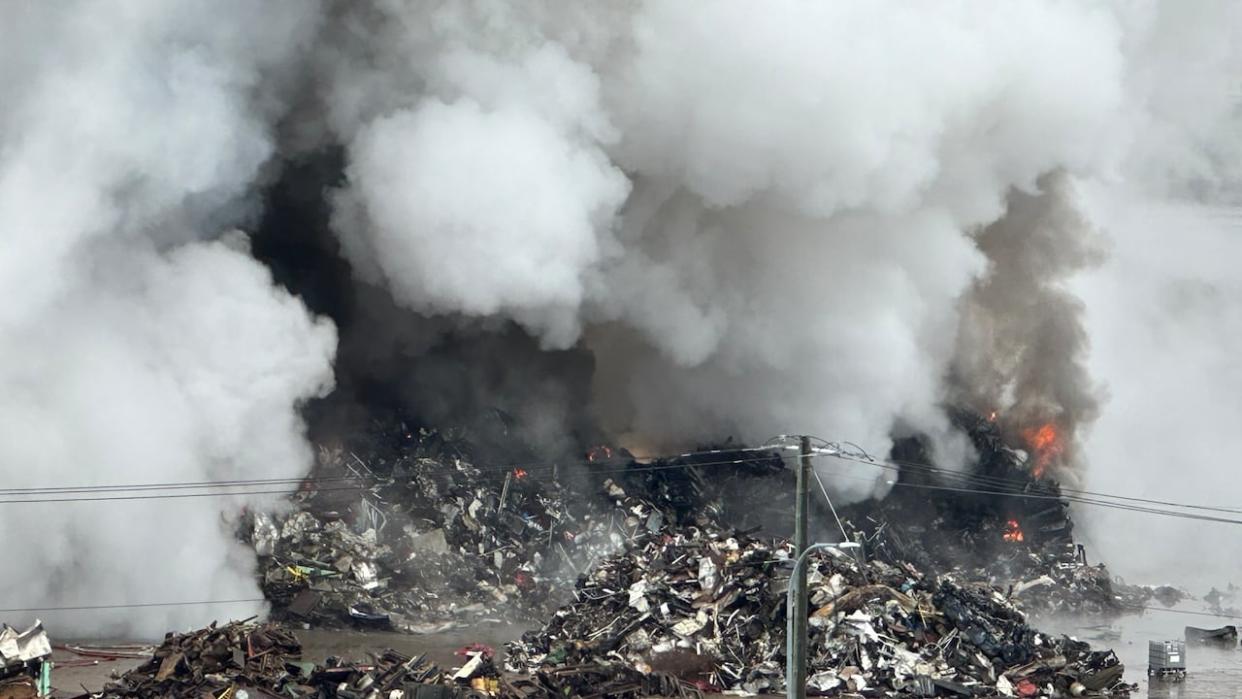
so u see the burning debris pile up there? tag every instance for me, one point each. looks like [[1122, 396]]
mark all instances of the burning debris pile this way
[[1005, 523], [710, 606], [404, 530]]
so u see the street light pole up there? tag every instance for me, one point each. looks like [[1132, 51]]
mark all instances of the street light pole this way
[[795, 639]]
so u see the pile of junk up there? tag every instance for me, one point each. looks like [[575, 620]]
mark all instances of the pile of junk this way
[[420, 538], [1003, 523], [674, 571], [243, 659], [709, 607], [25, 662]]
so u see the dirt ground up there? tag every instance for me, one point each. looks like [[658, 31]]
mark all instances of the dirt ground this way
[[68, 681]]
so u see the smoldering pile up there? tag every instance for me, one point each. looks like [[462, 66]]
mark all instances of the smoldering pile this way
[[711, 606], [410, 534], [1002, 523], [423, 541], [425, 537]]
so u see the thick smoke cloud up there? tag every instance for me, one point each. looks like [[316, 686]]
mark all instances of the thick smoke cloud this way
[[794, 243], [135, 350]]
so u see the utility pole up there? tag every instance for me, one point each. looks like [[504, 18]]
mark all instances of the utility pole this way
[[795, 682]]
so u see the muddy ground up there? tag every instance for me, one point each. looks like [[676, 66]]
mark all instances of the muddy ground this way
[[316, 645]]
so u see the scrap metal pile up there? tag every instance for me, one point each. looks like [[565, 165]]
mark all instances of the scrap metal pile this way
[[710, 606], [230, 661], [417, 538], [669, 583], [430, 542], [24, 671], [243, 659]]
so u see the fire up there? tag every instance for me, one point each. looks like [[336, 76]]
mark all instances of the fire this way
[[1013, 531], [519, 473], [1045, 444], [992, 416], [600, 453]]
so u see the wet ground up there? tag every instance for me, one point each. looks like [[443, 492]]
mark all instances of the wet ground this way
[[1212, 673], [316, 645]]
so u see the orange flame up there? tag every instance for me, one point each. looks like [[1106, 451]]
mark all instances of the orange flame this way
[[992, 416], [1046, 445], [1013, 532], [519, 473], [599, 453]]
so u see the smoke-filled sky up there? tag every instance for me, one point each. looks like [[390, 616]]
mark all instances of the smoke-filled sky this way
[[812, 217]]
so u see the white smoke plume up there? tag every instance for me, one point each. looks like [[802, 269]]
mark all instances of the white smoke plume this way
[[758, 222], [134, 348], [1166, 322]]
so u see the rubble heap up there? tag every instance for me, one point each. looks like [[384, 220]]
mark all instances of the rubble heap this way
[[242, 659], [1004, 524], [403, 529], [218, 660], [430, 542], [424, 539], [24, 666], [710, 607]]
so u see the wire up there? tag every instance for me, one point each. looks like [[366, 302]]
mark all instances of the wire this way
[[1186, 612], [137, 605], [985, 485], [169, 496], [1034, 496], [822, 489], [174, 485], [545, 466], [163, 496], [898, 464]]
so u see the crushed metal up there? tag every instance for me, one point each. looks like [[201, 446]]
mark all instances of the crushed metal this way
[[669, 579], [244, 659], [24, 671], [714, 606]]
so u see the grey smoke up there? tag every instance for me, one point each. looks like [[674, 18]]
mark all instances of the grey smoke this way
[[1023, 346]]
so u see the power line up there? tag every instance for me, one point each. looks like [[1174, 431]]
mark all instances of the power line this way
[[948, 473], [172, 485], [986, 485], [137, 605], [860, 455], [1015, 488], [546, 467], [1038, 496], [169, 496]]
